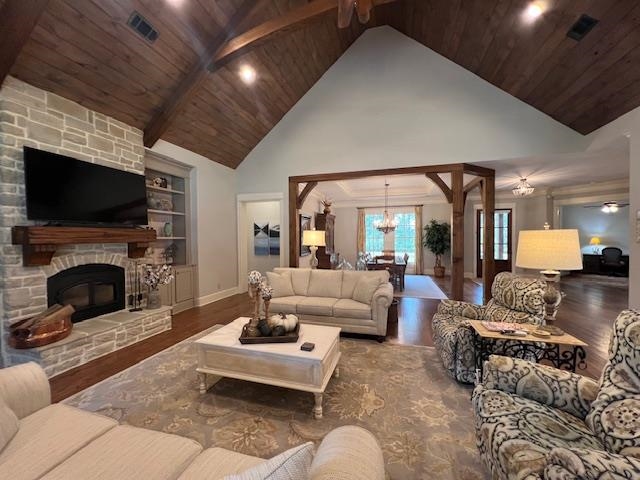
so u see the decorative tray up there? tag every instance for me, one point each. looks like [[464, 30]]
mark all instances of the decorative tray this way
[[290, 337]]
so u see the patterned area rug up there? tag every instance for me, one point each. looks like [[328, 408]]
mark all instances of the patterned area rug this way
[[421, 417]]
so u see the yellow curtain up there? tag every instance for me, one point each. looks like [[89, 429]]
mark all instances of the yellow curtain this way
[[419, 270], [361, 233]]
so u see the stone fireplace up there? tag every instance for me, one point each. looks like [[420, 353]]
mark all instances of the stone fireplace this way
[[33, 117], [93, 290]]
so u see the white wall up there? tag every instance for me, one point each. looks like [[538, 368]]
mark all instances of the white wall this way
[[611, 228], [627, 126], [390, 102], [268, 211], [213, 224]]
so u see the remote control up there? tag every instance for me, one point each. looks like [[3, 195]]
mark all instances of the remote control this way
[[307, 346], [517, 333]]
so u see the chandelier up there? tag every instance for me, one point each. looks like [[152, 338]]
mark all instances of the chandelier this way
[[522, 189], [387, 224]]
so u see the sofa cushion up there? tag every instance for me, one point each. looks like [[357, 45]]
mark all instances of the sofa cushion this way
[[515, 434], [349, 281], [345, 307], [294, 464], [519, 293], [8, 425], [365, 288], [285, 304], [299, 278], [614, 416], [281, 284], [317, 306], [325, 283], [48, 437], [129, 453], [216, 463]]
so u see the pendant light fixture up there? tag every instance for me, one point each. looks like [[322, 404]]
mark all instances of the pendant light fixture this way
[[522, 189], [388, 224]]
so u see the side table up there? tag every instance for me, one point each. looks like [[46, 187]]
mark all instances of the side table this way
[[487, 342]]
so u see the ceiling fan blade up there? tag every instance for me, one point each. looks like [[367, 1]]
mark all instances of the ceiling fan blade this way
[[345, 12]]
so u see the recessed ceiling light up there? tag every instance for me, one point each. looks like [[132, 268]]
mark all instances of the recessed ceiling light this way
[[247, 74], [533, 11]]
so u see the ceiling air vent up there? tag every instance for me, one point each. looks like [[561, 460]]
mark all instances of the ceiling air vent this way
[[142, 26], [582, 26]]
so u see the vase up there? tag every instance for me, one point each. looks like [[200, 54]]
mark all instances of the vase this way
[[153, 299]]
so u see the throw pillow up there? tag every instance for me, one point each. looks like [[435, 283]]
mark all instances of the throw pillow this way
[[365, 288], [8, 425], [294, 464], [281, 284]]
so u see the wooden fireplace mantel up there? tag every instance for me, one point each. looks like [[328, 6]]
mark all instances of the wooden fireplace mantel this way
[[40, 243]]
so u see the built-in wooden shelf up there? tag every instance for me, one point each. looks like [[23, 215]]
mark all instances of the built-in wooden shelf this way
[[165, 212], [171, 238], [40, 243], [165, 190]]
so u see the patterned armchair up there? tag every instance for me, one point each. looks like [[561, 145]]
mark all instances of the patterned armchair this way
[[535, 422], [515, 299]]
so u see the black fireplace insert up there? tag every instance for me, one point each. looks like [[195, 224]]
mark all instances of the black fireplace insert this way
[[93, 289]]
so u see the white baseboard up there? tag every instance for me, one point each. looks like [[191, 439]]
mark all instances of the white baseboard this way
[[214, 297]]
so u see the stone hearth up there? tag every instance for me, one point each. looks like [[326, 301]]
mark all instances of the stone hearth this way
[[94, 338]]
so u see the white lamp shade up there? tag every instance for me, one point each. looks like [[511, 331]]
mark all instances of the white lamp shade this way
[[313, 238], [549, 250]]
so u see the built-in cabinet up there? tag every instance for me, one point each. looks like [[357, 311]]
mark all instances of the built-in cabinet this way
[[169, 210]]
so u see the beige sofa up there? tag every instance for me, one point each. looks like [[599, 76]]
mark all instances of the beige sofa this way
[[356, 301], [65, 443]]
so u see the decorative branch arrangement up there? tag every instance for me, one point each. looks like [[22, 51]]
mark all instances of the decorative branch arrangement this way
[[155, 276], [261, 291]]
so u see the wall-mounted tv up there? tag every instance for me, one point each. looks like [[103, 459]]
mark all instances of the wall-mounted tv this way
[[68, 191]]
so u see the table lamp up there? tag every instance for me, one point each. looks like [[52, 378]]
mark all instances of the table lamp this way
[[595, 241], [313, 239], [549, 251]]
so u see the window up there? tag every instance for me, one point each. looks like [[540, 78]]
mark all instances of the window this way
[[374, 239], [501, 227], [405, 235]]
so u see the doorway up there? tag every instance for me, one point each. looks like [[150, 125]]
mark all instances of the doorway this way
[[503, 219], [260, 217]]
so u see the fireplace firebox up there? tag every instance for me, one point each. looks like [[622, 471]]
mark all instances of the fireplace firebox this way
[[93, 290]]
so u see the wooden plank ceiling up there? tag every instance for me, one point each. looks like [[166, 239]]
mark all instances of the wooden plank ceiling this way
[[84, 50]]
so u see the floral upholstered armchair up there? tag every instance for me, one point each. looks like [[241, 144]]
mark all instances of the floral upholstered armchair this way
[[535, 422], [515, 299]]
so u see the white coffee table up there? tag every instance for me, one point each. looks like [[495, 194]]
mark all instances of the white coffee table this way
[[220, 354]]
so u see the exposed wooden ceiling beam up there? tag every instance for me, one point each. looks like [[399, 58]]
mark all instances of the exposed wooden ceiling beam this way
[[294, 19], [17, 20], [190, 83], [435, 178], [478, 170]]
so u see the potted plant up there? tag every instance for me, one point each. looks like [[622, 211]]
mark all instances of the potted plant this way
[[154, 277], [437, 238]]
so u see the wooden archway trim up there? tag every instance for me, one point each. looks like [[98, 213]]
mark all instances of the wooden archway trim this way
[[458, 194], [435, 178], [304, 194]]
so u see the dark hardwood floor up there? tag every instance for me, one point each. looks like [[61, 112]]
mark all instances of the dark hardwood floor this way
[[588, 311]]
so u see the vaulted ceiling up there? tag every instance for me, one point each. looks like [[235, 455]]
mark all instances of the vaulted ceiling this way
[[185, 88]]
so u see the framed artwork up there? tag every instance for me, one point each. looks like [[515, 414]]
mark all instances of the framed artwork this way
[[305, 224], [261, 238], [274, 240]]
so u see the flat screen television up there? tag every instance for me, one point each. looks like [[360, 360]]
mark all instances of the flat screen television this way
[[67, 191]]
